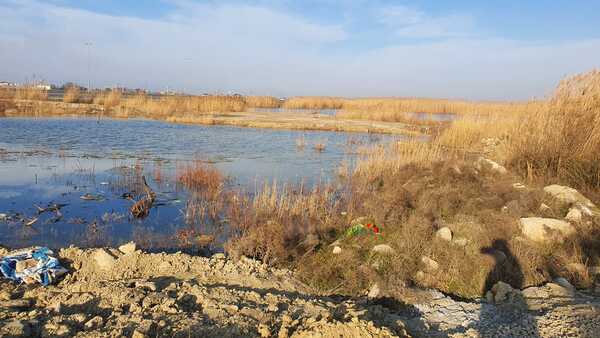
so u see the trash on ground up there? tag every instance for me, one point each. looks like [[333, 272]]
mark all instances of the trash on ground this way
[[35, 265], [361, 229]]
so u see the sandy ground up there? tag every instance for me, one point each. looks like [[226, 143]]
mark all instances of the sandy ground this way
[[112, 293]]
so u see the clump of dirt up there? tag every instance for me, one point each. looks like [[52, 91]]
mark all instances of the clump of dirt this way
[[109, 293]]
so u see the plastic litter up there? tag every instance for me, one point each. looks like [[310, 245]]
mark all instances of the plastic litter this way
[[360, 229], [34, 265]]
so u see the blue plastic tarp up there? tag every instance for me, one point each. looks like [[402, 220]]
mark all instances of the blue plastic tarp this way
[[36, 265]]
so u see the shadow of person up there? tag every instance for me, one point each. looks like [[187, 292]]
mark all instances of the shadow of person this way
[[506, 266], [506, 312]]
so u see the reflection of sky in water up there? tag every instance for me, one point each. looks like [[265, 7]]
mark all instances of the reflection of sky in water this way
[[81, 153]]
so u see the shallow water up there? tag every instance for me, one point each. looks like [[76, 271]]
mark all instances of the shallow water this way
[[49, 161]]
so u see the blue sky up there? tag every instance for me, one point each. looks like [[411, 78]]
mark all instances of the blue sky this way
[[456, 49]]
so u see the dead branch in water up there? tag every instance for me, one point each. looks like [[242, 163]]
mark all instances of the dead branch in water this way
[[142, 207]]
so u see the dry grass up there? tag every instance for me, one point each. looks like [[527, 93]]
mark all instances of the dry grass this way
[[262, 102], [108, 99], [563, 142], [200, 176], [72, 95], [313, 102], [177, 106]]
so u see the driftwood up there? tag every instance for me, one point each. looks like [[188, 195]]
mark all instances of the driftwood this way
[[142, 207]]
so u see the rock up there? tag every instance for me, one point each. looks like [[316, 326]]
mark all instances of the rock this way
[[383, 249], [5, 295], [519, 186], [557, 290], [564, 283], [94, 323], [103, 259], [16, 328], [127, 248], [544, 208], [337, 250], [444, 234], [484, 164], [138, 334], [535, 292], [502, 292], [146, 285], [429, 264], [219, 256], [568, 196], [574, 215], [540, 229], [460, 241], [374, 291]]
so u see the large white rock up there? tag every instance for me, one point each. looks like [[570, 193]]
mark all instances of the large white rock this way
[[127, 248], [568, 196], [484, 164], [104, 260], [540, 229], [429, 264], [383, 249], [444, 234]]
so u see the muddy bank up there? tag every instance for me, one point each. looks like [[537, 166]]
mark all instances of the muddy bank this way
[[268, 120], [126, 292]]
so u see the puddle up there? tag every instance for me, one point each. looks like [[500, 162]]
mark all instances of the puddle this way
[[74, 180]]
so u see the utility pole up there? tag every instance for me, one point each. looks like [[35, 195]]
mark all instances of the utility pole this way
[[89, 86]]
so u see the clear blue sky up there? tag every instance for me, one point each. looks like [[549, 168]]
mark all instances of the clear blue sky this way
[[468, 49]]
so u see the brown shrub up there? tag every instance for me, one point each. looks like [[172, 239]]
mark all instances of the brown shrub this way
[[72, 95]]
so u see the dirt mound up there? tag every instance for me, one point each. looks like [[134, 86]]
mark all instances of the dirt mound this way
[[109, 293]]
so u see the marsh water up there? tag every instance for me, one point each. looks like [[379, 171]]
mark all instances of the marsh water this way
[[71, 181]]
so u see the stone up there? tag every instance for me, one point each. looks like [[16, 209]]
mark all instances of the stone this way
[[557, 290], [535, 292], [501, 291], [574, 215], [374, 291], [519, 186], [540, 229], [484, 164], [544, 208], [219, 256], [94, 323], [444, 234], [5, 295], [383, 249], [568, 196], [146, 285], [460, 241], [337, 250], [429, 264], [127, 248], [103, 259]]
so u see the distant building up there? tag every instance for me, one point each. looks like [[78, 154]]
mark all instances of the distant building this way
[[6, 84], [43, 86]]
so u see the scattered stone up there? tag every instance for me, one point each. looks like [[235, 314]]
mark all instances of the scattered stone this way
[[219, 256], [568, 196], [337, 250], [104, 260], [94, 323], [460, 241], [574, 215], [484, 164], [535, 292], [146, 285], [540, 229], [383, 249], [374, 291], [444, 234], [502, 292], [429, 264], [128, 248], [519, 186], [557, 290]]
